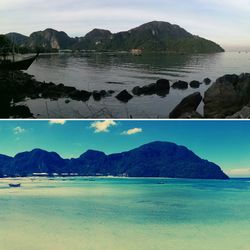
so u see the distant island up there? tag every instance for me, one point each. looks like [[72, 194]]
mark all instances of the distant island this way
[[150, 37], [156, 159]]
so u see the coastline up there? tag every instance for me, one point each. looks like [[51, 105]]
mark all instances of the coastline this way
[[17, 86]]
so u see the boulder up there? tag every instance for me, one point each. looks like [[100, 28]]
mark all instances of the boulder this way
[[228, 95], [124, 96], [188, 105], [96, 95], [111, 92], [162, 84], [80, 95], [180, 85], [207, 81], [161, 87], [194, 84]]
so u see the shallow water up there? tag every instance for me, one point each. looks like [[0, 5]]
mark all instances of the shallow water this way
[[113, 213], [123, 71]]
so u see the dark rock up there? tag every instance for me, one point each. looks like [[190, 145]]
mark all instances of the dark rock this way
[[124, 96], [161, 87], [162, 84], [188, 105], [103, 93], [228, 95], [21, 111], [111, 92], [67, 101], [207, 81], [80, 95], [97, 95], [180, 85], [194, 84], [137, 91]]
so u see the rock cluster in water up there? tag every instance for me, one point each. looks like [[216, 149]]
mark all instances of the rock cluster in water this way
[[228, 97], [15, 86]]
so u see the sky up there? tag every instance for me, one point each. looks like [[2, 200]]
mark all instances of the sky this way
[[226, 143], [226, 22]]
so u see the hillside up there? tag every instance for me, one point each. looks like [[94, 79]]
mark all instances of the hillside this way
[[150, 37], [156, 159]]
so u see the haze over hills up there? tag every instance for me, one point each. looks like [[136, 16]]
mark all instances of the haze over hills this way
[[156, 159], [152, 36]]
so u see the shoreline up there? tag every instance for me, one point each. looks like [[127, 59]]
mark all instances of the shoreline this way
[[16, 87]]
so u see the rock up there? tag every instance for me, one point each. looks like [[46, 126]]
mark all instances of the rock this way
[[103, 93], [96, 95], [67, 101], [137, 91], [21, 111], [162, 84], [111, 92], [188, 105], [161, 87], [145, 90], [244, 113], [207, 81], [228, 95], [194, 84], [180, 85], [80, 95], [124, 96]]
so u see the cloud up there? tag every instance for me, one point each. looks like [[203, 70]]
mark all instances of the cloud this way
[[132, 131], [103, 126], [57, 122], [18, 130], [239, 172]]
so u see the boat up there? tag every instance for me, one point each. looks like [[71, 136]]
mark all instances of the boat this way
[[9, 62], [23, 64], [136, 52], [15, 185]]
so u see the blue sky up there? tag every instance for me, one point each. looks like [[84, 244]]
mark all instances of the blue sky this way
[[226, 21], [226, 143]]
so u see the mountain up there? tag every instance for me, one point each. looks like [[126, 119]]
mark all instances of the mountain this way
[[36, 161], [152, 36], [18, 39], [156, 159], [50, 39]]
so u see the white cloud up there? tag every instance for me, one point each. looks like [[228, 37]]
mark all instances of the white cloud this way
[[103, 126], [132, 131], [239, 172], [58, 122], [18, 130]]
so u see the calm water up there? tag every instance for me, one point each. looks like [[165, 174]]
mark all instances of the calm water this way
[[121, 214], [100, 71]]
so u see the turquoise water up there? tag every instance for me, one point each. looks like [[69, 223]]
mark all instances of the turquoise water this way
[[124, 71], [112, 213]]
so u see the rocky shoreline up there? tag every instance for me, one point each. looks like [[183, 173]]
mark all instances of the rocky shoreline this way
[[227, 97]]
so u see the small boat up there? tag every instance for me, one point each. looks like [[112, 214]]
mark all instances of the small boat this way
[[24, 64], [136, 52], [15, 185]]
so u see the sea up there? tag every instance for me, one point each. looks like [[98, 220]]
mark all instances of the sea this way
[[124, 213], [108, 71]]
